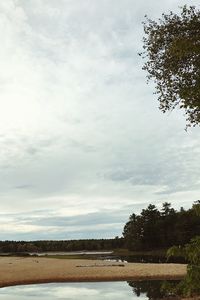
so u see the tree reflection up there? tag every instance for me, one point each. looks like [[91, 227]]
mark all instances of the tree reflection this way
[[154, 289], [159, 289]]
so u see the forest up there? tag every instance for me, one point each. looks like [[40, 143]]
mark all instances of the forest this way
[[156, 229], [152, 229], [60, 245]]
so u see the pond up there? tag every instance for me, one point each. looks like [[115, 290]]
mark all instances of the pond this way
[[91, 291]]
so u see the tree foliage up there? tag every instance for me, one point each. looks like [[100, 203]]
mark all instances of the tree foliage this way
[[172, 53], [153, 228], [60, 245], [191, 251], [172, 226]]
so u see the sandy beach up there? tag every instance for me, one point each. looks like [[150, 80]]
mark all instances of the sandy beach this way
[[19, 270]]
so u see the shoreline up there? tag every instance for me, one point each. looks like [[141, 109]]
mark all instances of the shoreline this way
[[21, 271]]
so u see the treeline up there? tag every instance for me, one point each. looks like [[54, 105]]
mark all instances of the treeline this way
[[154, 229], [151, 229], [63, 245]]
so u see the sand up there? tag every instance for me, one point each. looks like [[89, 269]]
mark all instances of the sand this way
[[19, 270]]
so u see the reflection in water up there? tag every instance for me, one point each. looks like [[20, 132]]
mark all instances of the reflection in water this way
[[71, 291], [152, 259], [154, 289]]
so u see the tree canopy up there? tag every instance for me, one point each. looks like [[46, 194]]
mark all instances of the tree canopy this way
[[154, 229], [172, 52]]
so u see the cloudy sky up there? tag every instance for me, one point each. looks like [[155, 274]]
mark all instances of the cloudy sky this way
[[82, 141]]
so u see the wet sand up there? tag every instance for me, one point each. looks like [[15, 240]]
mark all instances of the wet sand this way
[[19, 270]]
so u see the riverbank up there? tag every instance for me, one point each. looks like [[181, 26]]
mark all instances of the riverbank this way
[[20, 270]]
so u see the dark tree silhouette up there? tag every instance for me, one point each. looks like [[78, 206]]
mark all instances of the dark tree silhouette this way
[[154, 229]]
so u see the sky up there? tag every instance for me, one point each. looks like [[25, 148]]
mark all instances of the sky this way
[[83, 144]]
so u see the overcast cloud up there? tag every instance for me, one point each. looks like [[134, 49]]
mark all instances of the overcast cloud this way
[[82, 141]]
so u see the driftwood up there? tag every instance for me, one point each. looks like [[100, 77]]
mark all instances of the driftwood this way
[[102, 265]]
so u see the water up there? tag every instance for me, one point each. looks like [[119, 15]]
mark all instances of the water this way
[[72, 253], [64, 253], [108, 255], [139, 290], [70, 291], [152, 259]]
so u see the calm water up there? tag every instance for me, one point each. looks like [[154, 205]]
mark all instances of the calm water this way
[[72, 253], [71, 291], [109, 255]]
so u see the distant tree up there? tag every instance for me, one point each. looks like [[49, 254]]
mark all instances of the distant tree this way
[[133, 232], [141, 231], [150, 219], [196, 207], [166, 209], [172, 53]]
